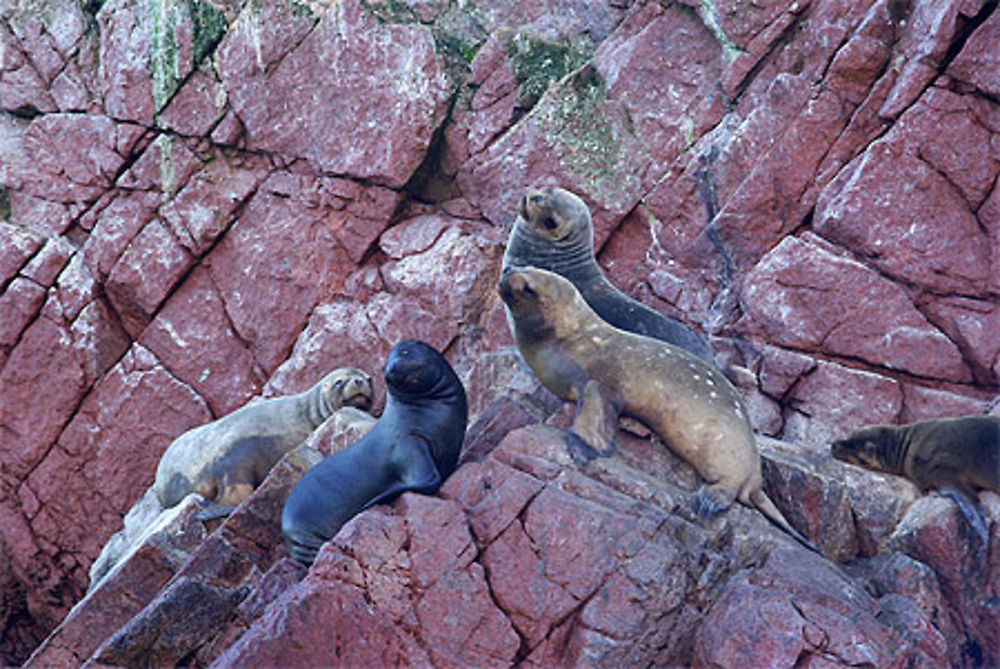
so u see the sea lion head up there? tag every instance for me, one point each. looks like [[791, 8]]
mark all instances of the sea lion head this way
[[865, 447], [555, 214], [553, 231], [414, 368], [541, 302], [348, 387]]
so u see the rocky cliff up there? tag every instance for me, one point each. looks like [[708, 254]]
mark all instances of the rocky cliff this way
[[205, 201]]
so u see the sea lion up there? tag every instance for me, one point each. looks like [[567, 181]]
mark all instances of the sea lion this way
[[414, 446], [956, 456], [223, 461], [686, 401], [553, 231]]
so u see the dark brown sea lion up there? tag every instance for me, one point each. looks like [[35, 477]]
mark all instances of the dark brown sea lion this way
[[686, 401], [554, 231], [414, 446], [223, 461], [956, 456]]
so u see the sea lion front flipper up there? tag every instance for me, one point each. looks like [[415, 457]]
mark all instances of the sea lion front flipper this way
[[965, 498], [417, 470], [593, 431]]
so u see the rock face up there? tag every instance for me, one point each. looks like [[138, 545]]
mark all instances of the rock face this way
[[203, 201]]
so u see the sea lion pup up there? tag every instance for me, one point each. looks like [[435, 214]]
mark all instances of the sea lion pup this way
[[223, 461], [956, 456], [686, 401], [553, 231], [414, 446]]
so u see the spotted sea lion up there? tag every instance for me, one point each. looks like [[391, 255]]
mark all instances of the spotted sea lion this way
[[955, 456], [554, 231], [686, 401], [223, 461], [414, 446]]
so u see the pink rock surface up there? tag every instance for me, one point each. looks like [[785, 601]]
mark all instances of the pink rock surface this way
[[369, 84], [804, 297], [203, 201]]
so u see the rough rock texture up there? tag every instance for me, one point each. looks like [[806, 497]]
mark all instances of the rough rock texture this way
[[203, 201]]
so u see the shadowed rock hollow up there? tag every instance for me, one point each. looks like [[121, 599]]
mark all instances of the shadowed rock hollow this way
[[201, 202]]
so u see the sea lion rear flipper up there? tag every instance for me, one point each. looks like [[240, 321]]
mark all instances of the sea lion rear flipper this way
[[965, 500], [593, 431]]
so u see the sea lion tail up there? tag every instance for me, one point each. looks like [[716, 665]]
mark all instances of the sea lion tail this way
[[760, 500]]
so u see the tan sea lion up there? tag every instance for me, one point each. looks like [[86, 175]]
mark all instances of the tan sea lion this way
[[686, 401], [554, 231], [223, 461], [956, 456]]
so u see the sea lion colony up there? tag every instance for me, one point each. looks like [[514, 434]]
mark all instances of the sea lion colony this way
[[589, 344]]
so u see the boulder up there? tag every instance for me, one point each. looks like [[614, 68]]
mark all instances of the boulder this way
[[201, 202]]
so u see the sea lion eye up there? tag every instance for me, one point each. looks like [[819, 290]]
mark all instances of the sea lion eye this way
[[528, 290], [338, 383], [549, 223]]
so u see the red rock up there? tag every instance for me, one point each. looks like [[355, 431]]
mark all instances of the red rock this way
[[223, 371], [978, 62], [196, 107], [492, 494], [128, 421], [144, 275], [269, 312], [580, 135], [69, 91], [927, 35], [400, 317], [164, 167], [357, 67], [790, 610], [41, 215], [921, 403], [970, 323], [21, 87], [937, 535], [701, 139], [74, 156], [45, 372], [117, 224], [344, 427], [324, 618], [833, 400], [48, 262], [805, 297], [118, 599], [204, 208], [19, 304], [44, 37], [942, 248], [18, 246], [477, 633], [466, 264], [414, 236], [143, 57], [337, 334]]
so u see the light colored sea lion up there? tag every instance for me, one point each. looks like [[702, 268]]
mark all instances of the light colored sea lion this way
[[956, 456], [687, 402], [554, 231], [225, 460], [414, 446]]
